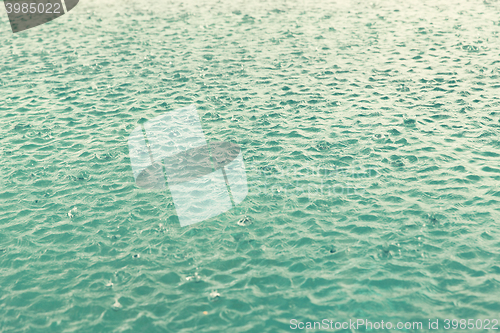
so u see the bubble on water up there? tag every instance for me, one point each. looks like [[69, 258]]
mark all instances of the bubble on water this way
[[244, 221], [116, 305], [214, 295], [72, 212], [195, 277]]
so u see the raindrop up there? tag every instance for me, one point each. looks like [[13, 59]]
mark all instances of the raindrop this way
[[244, 221]]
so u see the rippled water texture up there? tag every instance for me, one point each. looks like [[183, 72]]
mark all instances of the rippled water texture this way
[[370, 135]]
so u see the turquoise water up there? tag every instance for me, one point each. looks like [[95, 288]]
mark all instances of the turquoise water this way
[[370, 134]]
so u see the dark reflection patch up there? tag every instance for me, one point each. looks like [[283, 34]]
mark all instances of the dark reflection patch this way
[[26, 14]]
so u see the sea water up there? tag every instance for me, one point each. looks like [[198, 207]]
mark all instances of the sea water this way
[[370, 137]]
